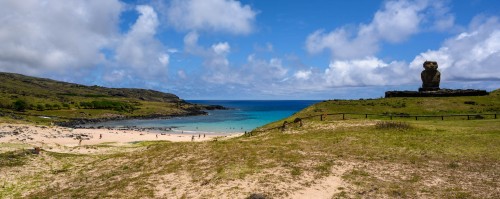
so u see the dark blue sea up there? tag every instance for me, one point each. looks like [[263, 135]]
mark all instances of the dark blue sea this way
[[244, 115]]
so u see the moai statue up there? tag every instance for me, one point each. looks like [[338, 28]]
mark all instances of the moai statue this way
[[430, 77]]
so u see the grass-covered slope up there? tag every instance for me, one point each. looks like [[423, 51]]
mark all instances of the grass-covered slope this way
[[334, 158], [30, 98], [400, 107], [16, 84]]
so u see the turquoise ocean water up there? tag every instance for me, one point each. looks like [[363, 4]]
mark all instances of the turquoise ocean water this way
[[244, 115]]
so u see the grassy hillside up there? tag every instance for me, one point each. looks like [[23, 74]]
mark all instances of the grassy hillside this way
[[351, 158], [44, 100], [401, 107]]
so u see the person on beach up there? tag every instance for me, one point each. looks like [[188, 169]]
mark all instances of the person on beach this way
[[199, 135], [156, 135], [100, 136], [203, 135], [192, 138]]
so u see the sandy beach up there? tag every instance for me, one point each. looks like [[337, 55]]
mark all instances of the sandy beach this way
[[58, 138]]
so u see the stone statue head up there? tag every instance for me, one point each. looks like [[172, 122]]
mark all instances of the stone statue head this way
[[430, 65]]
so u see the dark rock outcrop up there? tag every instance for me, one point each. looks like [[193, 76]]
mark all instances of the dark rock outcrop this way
[[215, 107], [438, 93]]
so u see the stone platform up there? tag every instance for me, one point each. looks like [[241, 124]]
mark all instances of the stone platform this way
[[438, 93]]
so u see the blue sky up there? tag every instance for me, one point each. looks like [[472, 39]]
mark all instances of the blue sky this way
[[254, 49]]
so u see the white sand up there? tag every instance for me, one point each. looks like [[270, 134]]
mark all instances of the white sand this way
[[43, 136]]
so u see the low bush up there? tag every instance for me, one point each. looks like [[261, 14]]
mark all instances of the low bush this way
[[393, 125]]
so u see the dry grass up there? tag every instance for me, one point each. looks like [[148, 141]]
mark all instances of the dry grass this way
[[445, 160], [368, 158], [392, 125]]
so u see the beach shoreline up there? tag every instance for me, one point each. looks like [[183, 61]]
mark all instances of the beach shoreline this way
[[57, 138]]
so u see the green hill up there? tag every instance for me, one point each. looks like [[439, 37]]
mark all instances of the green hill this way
[[350, 157], [45, 100], [450, 107], [354, 157]]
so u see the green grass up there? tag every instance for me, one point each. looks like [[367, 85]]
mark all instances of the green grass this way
[[448, 146], [382, 108], [63, 101], [14, 158], [395, 159]]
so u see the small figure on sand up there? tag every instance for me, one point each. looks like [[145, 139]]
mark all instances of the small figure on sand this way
[[192, 138], [100, 136], [156, 135]]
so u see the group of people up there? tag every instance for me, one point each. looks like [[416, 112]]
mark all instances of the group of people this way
[[199, 136]]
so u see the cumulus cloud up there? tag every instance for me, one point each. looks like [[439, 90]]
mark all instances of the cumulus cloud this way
[[471, 55], [221, 48], [367, 71], [115, 76], [78, 38], [341, 44], [272, 69], [394, 23], [303, 74], [215, 61], [58, 35], [139, 52], [211, 15]]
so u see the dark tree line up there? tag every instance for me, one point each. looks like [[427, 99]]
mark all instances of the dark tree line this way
[[23, 105], [105, 104]]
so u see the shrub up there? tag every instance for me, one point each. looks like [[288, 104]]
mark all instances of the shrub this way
[[40, 107], [111, 105], [48, 107], [20, 105], [393, 125], [470, 102], [66, 106]]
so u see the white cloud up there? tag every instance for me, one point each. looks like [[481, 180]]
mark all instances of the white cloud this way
[[211, 15], [341, 44], [367, 71], [471, 55], [257, 74], [215, 61], [394, 23], [115, 76], [71, 39], [172, 50], [164, 59], [397, 21], [139, 52], [221, 48], [40, 36], [303, 74]]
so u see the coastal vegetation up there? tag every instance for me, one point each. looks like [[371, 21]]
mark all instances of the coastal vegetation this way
[[354, 157], [45, 101]]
